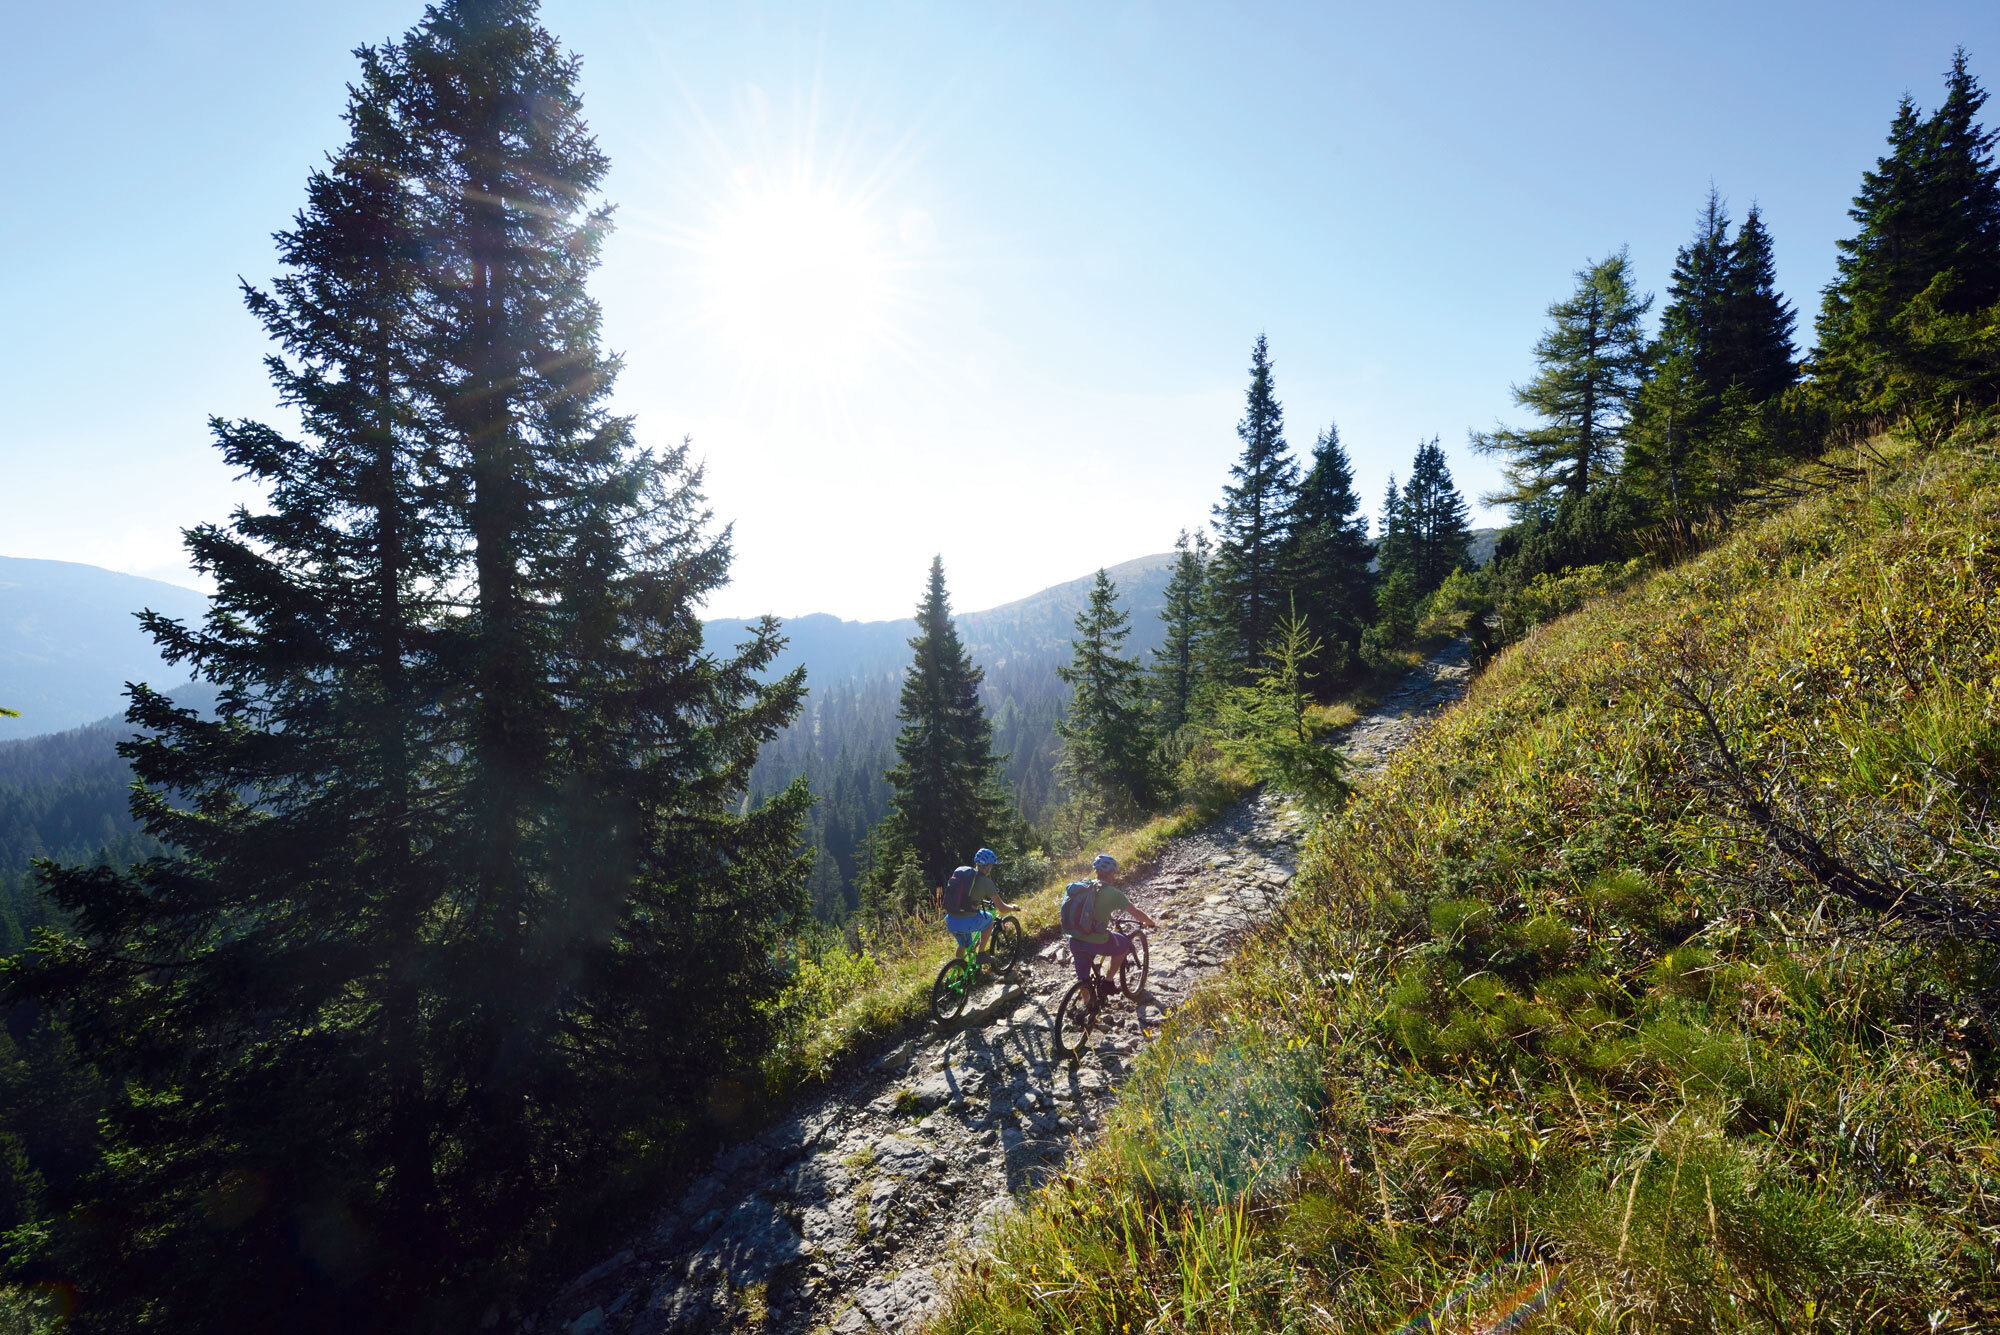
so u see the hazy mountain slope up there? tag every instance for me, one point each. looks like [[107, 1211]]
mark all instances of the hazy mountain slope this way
[[844, 739], [69, 641], [67, 796], [1484, 540], [835, 650]]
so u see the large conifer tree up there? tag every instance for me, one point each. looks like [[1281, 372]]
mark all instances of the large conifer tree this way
[[1333, 587], [1928, 211], [944, 796], [461, 907], [1698, 294], [1389, 528], [1106, 736], [1724, 349], [1592, 359], [1249, 576], [1177, 663], [1432, 523], [1754, 349]]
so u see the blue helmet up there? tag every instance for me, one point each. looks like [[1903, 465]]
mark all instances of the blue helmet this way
[[985, 857], [1104, 862]]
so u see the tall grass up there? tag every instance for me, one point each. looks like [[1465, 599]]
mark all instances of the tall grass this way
[[1545, 1039]]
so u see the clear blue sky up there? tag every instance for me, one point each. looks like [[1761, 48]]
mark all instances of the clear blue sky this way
[[966, 278]]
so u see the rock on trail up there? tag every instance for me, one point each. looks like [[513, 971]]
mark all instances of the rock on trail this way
[[845, 1214]]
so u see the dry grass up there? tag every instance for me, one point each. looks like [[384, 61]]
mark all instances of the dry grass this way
[[1572, 1052]]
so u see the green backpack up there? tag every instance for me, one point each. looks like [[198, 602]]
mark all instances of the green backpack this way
[[1079, 909]]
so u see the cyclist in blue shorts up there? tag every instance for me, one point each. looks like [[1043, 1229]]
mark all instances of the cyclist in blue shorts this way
[[964, 897]]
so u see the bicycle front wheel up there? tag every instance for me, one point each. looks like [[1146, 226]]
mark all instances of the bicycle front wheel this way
[[1075, 1018], [1137, 964], [953, 985], [1003, 948]]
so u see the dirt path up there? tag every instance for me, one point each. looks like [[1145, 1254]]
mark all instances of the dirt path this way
[[843, 1216]]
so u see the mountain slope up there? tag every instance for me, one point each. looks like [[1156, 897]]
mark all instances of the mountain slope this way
[[1555, 1027], [844, 738], [835, 650], [69, 641]]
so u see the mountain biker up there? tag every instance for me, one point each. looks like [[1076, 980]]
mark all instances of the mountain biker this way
[[1085, 946], [975, 919]]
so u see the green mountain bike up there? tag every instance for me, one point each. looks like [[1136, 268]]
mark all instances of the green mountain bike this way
[[962, 972], [1083, 1005]]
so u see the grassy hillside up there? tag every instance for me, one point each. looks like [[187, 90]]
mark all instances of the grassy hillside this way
[[1553, 1038]]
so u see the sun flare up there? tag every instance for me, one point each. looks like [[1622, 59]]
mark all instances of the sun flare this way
[[799, 281]]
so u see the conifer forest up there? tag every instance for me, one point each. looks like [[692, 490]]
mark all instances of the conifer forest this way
[[482, 886]]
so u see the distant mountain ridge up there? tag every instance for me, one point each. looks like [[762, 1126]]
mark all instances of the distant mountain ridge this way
[[70, 636], [70, 640], [836, 649]]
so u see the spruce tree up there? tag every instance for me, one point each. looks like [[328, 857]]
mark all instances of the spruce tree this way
[[1929, 213], [1436, 530], [1331, 581], [1679, 447], [1389, 529], [944, 800], [1107, 744], [462, 907], [1592, 359], [1248, 573], [1753, 340], [1396, 591], [1724, 350], [1177, 663], [1670, 460], [1698, 295]]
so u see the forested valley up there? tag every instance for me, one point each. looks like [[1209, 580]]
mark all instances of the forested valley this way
[[496, 888]]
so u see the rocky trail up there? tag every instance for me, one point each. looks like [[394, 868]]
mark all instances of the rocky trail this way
[[845, 1215]]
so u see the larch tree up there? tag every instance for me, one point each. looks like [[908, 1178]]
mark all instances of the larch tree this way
[[461, 905], [1107, 738], [1592, 360], [1248, 575]]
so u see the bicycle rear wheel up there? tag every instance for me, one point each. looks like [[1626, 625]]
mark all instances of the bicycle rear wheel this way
[[1003, 948], [948, 993], [1075, 1018]]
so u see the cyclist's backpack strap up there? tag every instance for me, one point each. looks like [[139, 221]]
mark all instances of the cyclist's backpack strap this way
[[957, 894], [1079, 909]]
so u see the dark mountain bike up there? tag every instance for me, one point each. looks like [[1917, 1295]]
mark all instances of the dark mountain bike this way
[[1083, 1005], [962, 972]]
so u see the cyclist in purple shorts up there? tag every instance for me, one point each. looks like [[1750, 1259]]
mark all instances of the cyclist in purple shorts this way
[[1087, 909]]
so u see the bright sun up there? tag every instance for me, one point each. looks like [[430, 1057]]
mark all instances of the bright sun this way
[[799, 282]]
